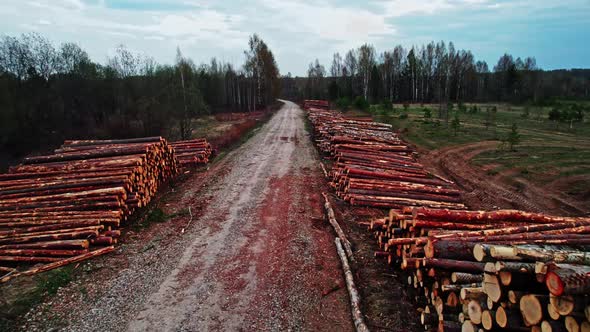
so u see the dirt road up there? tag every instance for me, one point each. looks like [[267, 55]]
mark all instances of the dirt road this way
[[257, 256], [255, 262]]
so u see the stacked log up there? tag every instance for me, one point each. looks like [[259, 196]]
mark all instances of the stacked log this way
[[71, 202], [496, 270], [192, 152], [373, 167], [321, 104], [467, 270]]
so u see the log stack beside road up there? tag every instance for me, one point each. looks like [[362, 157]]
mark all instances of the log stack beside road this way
[[501, 270], [57, 207], [373, 167], [192, 152], [320, 104], [497, 270]]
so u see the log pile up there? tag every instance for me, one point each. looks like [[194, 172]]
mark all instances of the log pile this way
[[67, 204], [466, 270], [320, 104], [498, 270], [192, 152], [373, 167]]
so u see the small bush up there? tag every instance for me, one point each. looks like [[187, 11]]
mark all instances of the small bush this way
[[343, 103], [156, 215], [456, 123], [427, 113], [462, 108], [361, 103], [386, 105]]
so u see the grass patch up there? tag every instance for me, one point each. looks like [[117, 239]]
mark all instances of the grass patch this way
[[149, 216], [22, 295], [548, 150]]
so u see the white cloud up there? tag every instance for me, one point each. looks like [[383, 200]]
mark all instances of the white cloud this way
[[398, 8], [327, 21], [297, 31]]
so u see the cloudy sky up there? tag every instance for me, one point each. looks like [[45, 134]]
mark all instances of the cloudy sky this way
[[298, 31]]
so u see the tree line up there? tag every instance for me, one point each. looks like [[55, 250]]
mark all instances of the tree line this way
[[49, 93], [435, 73]]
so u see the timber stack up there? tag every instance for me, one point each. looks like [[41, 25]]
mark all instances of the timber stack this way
[[60, 208], [319, 104], [192, 152], [373, 167], [498, 270], [466, 270]]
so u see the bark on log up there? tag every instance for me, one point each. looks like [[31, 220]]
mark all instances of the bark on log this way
[[357, 315], [454, 265], [58, 264], [568, 279], [336, 226]]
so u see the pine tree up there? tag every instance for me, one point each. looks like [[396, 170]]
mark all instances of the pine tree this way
[[513, 138], [456, 123]]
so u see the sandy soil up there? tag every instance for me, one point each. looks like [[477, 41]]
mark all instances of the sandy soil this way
[[256, 255], [483, 191]]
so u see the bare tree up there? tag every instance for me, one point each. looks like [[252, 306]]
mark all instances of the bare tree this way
[[365, 66]]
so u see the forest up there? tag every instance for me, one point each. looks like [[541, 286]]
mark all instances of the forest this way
[[435, 73], [49, 93]]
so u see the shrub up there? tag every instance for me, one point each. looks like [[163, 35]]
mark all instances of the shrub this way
[[456, 123], [462, 108], [361, 103], [427, 113], [513, 138], [343, 103], [554, 114], [386, 105]]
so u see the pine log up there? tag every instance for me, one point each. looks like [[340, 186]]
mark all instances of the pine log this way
[[50, 245], [516, 267], [572, 324], [336, 226], [488, 320], [567, 305], [568, 279], [454, 265], [29, 259], [466, 278], [489, 216], [532, 308], [552, 312], [512, 319], [458, 250], [552, 326], [492, 287], [357, 315], [58, 264], [52, 237], [40, 252]]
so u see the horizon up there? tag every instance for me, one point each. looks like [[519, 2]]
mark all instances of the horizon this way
[[299, 32]]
